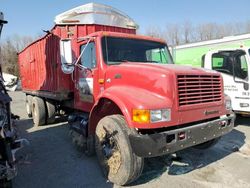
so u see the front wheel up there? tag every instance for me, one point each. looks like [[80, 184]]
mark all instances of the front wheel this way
[[117, 160]]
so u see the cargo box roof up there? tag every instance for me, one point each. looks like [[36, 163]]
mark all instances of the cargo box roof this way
[[93, 13]]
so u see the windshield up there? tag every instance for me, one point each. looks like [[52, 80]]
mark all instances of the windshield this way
[[118, 50]]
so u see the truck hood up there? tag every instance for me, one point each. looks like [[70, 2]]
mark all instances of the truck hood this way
[[157, 78], [162, 68], [156, 86], [177, 69]]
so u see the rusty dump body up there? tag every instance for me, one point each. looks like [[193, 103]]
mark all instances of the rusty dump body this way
[[40, 63]]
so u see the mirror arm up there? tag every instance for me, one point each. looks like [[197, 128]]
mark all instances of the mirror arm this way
[[83, 67], [78, 59]]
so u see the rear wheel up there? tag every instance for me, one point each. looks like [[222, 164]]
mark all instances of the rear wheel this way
[[38, 111], [29, 105], [51, 112], [117, 160]]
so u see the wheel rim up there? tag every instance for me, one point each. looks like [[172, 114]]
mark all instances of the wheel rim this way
[[28, 108], [114, 162], [110, 151], [34, 110]]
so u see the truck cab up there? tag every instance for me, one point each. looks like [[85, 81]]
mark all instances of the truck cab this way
[[129, 81], [106, 68], [233, 64], [136, 74]]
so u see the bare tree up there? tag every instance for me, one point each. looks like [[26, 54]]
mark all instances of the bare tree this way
[[247, 28], [154, 31], [187, 32], [9, 58], [172, 34], [9, 49], [20, 42], [206, 31]]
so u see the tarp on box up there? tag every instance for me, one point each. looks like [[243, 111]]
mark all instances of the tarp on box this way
[[93, 13]]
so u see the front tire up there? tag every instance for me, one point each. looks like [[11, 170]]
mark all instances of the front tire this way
[[117, 160], [38, 111]]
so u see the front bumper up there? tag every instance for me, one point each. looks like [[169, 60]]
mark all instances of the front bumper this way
[[171, 141]]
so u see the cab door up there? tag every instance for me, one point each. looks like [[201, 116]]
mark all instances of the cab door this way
[[85, 74]]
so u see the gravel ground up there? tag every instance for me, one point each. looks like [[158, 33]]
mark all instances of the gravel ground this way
[[52, 161]]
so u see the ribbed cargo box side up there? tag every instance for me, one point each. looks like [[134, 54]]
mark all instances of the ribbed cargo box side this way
[[40, 69]]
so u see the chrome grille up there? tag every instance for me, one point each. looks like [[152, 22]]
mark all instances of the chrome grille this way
[[198, 89]]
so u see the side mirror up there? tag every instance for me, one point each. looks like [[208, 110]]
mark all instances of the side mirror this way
[[245, 83], [246, 86], [67, 64], [66, 52]]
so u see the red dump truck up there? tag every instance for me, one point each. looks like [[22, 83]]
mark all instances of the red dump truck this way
[[124, 97]]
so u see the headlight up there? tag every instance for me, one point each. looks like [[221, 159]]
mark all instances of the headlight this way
[[228, 102], [153, 116], [160, 115]]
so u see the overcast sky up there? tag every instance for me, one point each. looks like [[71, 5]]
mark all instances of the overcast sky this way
[[30, 17]]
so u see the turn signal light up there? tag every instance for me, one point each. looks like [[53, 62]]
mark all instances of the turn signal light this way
[[141, 116], [101, 81]]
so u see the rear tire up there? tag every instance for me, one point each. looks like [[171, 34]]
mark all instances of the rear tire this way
[[51, 112], [29, 105], [38, 111], [117, 160]]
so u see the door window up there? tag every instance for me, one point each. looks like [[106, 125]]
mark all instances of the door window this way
[[223, 62], [88, 58], [241, 68]]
